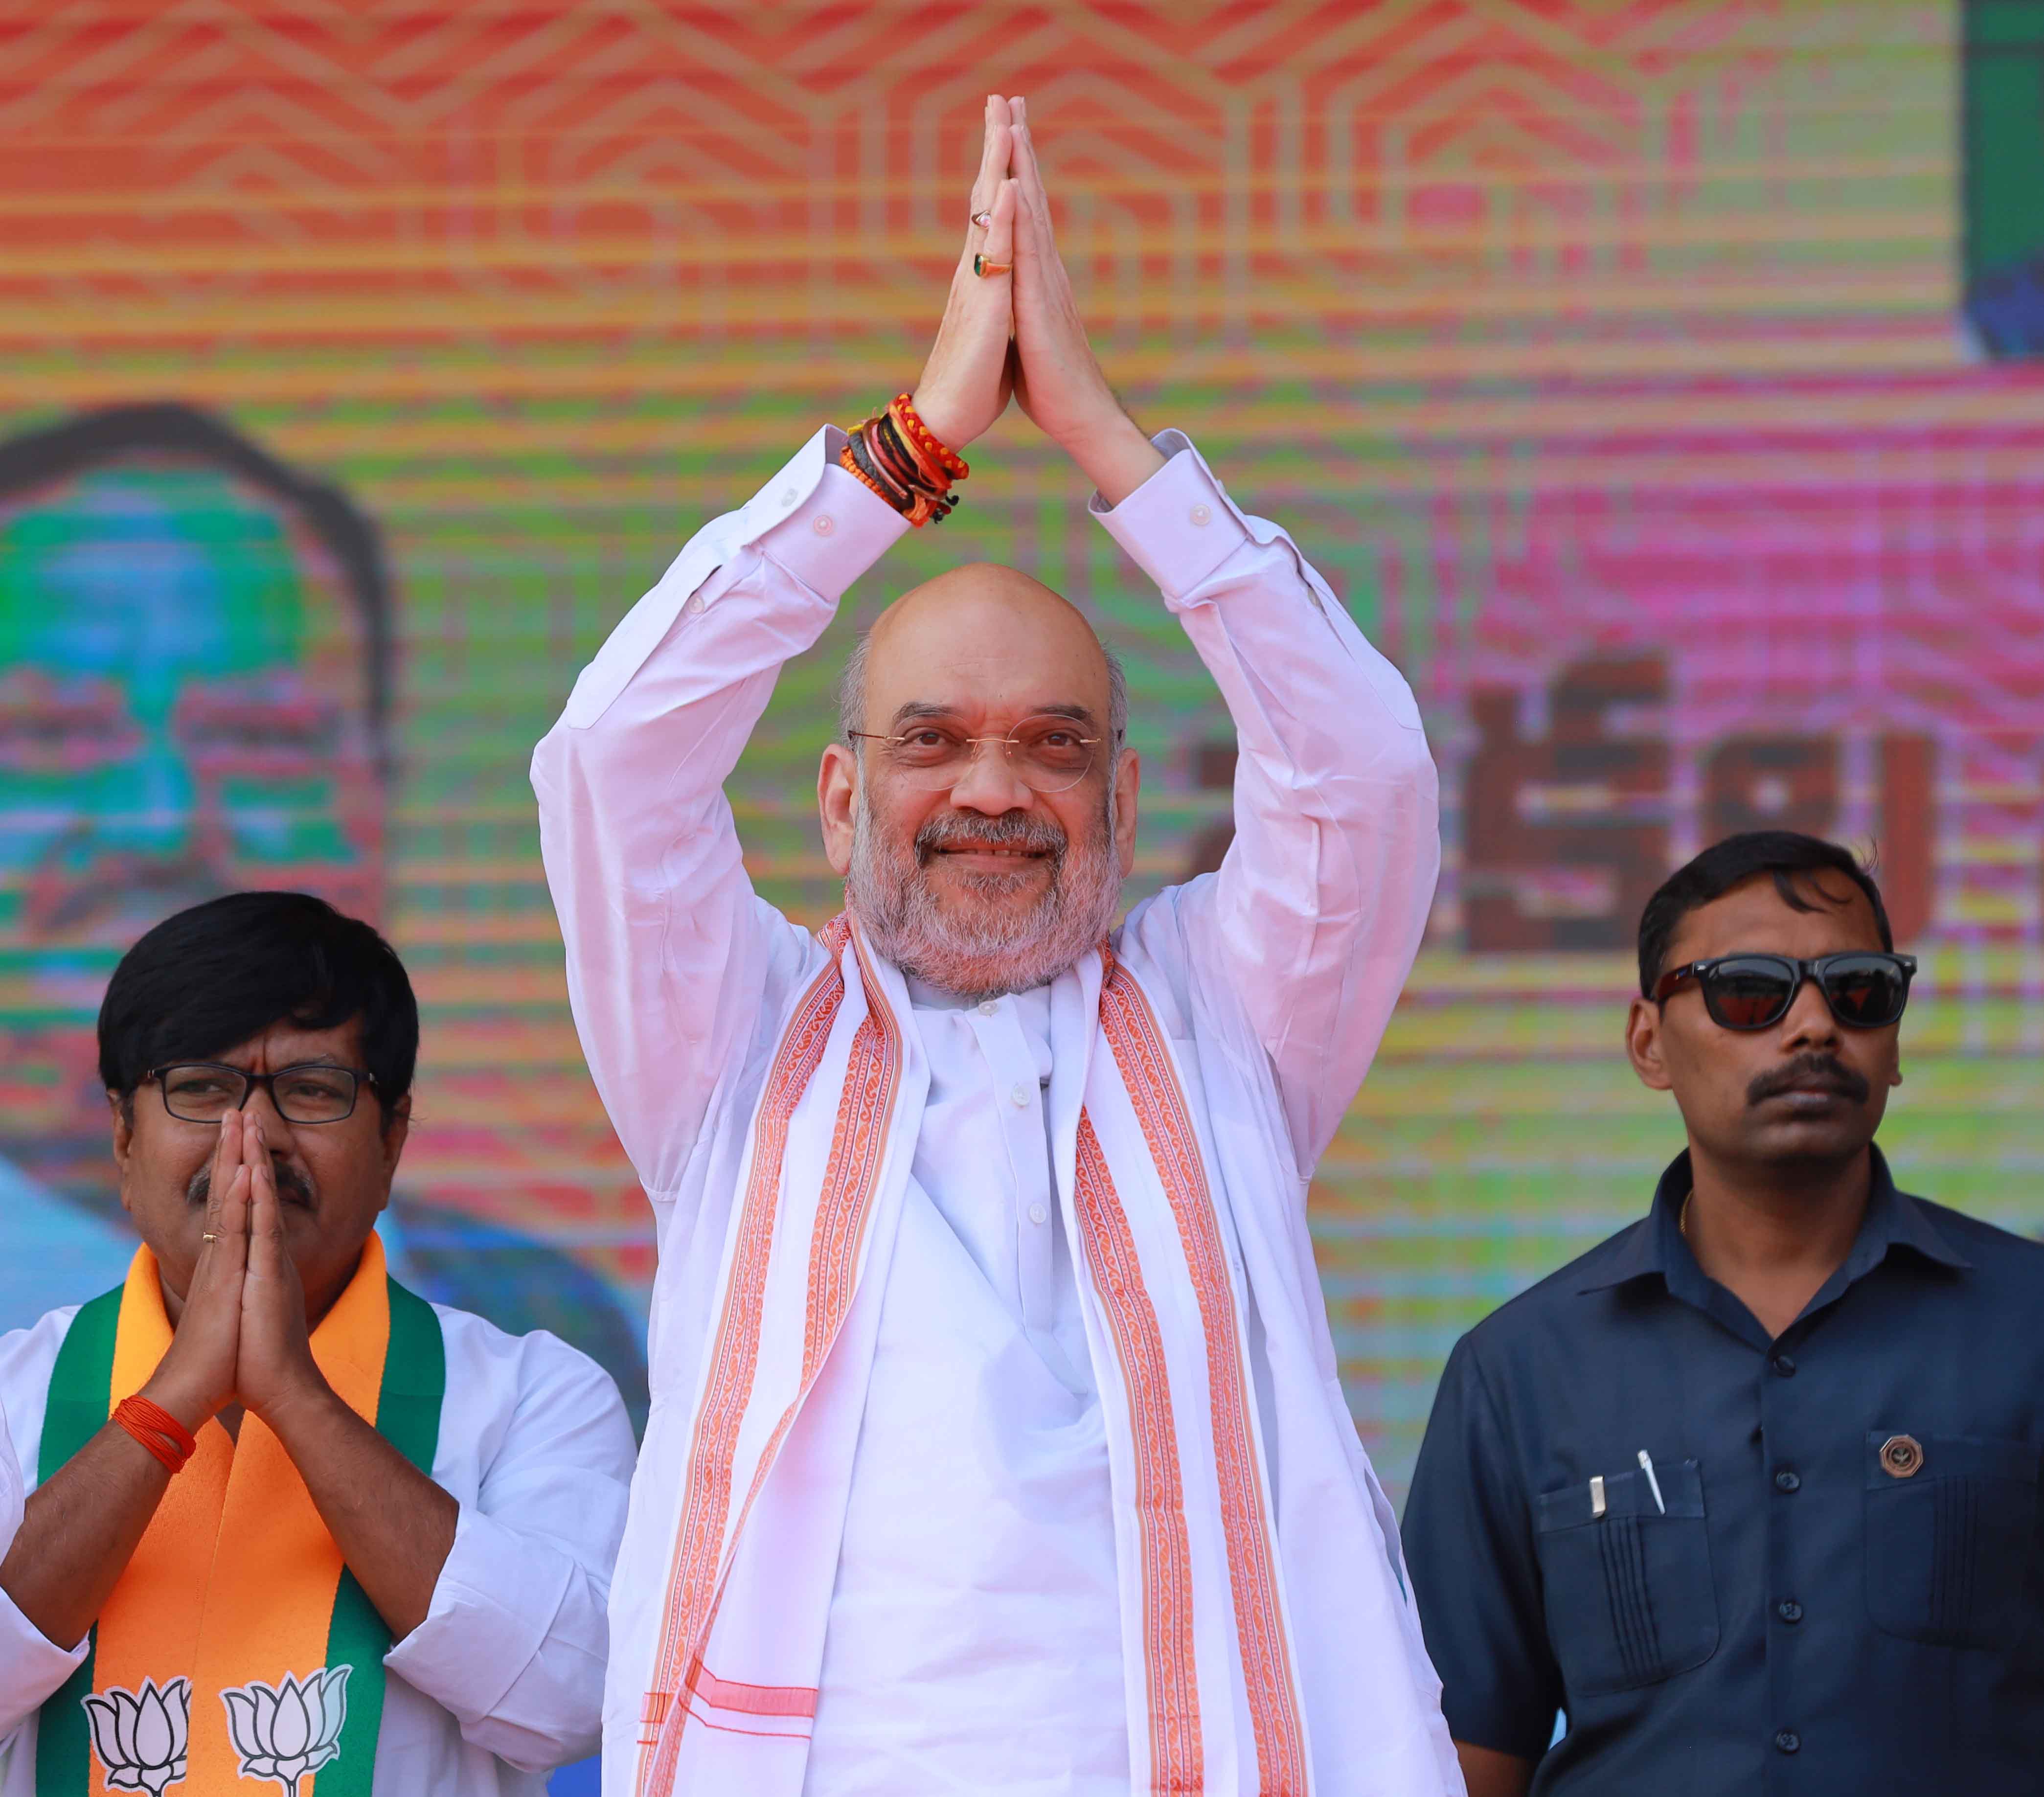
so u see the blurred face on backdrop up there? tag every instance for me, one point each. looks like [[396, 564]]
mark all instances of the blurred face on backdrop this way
[[982, 819], [184, 710], [1808, 1091]]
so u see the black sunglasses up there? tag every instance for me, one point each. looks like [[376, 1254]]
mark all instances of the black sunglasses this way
[[1865, 990]]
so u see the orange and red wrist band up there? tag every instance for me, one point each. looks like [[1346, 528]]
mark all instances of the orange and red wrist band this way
[[897, 455], [159, 1431]]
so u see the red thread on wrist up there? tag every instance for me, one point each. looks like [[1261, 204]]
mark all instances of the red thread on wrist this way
[[161, 1433], [918, 500], [924, 440], [850, 463]]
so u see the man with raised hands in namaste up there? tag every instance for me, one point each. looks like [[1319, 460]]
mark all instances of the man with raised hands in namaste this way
[[269, 1521], [996, 1445]]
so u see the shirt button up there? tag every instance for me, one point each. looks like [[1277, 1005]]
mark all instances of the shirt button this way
[[1038, 1213], [1200, 514], [1789, 1610], [1901, 1456], [825, 524], [1784, 1367], [1788, 1741], [695, 603], [788, 496], [1784, 1480], [989, 1006], [1018, 1095]]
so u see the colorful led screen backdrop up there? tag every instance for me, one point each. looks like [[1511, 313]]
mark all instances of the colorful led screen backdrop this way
[[1649, 377]]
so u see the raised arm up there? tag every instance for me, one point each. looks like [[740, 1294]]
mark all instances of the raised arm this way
[[80, 1527], [1317, 912], [671, 957]]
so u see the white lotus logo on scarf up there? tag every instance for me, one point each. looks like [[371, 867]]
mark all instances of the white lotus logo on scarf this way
[[141, 1736], [286, 1732]]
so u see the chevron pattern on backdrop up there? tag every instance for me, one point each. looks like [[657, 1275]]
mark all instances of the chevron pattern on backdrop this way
[[1608, 354]]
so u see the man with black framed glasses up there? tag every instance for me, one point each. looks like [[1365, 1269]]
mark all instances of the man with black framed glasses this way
[[282, 1516], [1749, 1493]]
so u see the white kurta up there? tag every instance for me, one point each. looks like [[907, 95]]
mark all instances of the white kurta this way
[[979, 1526], [503, 1681], [971, 1639]]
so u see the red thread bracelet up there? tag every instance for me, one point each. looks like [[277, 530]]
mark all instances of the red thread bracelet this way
[[922, 438], [159, 1431]]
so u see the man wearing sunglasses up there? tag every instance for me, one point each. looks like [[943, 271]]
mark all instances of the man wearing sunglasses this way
[[1749, 1495], [284, 1516]]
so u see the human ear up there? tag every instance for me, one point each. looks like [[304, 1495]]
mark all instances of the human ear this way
[[1643, 1045], [837, 798], [396, 1131], [1127, 787], [123, 1131], [124, 1142]]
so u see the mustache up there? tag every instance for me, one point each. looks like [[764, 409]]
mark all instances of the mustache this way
[[1012, 829], [293, 1185], [1822, 1073]]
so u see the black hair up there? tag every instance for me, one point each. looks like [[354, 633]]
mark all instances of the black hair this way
[[212, 976], [1785, 853], [168, 430]]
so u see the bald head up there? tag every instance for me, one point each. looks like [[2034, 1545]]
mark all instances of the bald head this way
[[981, 870], [981, 638]]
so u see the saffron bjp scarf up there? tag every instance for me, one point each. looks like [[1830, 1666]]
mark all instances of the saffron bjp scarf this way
[[732, 1694], [237, 1646]]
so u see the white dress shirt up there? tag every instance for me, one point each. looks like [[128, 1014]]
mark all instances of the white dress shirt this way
[[503, 1681]]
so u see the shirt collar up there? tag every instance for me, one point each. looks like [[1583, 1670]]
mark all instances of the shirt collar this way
[[1654, 1247]]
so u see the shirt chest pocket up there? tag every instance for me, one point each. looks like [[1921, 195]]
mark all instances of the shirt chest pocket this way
[[1951, 1526], [1629, 1593]]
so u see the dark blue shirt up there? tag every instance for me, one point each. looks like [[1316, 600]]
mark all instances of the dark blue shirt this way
[[1838, 1587]]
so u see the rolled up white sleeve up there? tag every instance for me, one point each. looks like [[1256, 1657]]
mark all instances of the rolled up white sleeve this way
[[515, 1642], [32, 1666]]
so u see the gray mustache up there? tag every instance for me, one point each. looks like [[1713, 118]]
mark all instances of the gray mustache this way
[[1012, 829], [292, 1187]]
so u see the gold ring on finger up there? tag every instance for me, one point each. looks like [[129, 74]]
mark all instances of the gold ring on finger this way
[[982, 219], [209, 1237], [983, 268]]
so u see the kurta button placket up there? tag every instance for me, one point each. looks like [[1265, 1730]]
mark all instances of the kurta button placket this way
[[1789, 1610], [1786, 1480], [1784, 1367], [1788, 1741]]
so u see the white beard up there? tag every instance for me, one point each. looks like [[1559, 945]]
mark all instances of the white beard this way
[[983, 955]]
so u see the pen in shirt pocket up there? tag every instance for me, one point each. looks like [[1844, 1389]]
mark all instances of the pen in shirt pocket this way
[[1598, 1506], [1653, 1484]]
